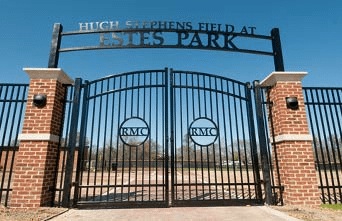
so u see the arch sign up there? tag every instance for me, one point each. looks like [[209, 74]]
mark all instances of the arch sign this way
[[164, 34]]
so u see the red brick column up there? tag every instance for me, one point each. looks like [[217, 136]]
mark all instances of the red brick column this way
[[293, 141], [36, 158]]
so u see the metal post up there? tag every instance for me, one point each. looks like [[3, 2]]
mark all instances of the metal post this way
[[82, 142], [55, 45], [263, 144], [172, 133], [72, 143], [277, 52], [255, 159]]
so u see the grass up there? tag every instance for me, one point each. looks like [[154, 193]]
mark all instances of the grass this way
[[332, 206]]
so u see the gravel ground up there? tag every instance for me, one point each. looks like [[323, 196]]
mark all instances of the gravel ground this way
[[44, 213], [312, 214]]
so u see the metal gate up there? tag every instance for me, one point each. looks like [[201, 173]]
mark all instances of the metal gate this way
[[214, 155], [129, 124]]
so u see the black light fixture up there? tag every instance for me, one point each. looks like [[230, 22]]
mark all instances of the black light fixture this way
[[292, 103], [39, 100]]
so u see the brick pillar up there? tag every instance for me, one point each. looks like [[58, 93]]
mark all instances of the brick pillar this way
[[293, 140], [36, 158]]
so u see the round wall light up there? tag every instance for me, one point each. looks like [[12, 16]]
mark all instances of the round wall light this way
[[292, 103], [39, 100]]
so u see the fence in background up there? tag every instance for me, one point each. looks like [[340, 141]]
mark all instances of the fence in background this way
[[12, 109], [324, 112]]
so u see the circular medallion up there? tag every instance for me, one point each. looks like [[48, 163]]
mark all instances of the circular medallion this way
[[134, 131], [203, 131]]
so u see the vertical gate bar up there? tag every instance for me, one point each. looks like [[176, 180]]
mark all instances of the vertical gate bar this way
[[104, 140], [263, 144], [332, 142], [238, 136], [98, 145], [91, 137], [232, 140], [55, 45], [138, 115], [82, 143], [268, 140], [136, 148], [188, 137], [243, 136], [7, 118], [320, 146], [72, 143], [130, 147], [13, 116], [200, 115], [207, 147], [277, 51], [15, 144], [194, 117], [111, 142], [339, 130], [320, 142], [218, 127], [213, 145], [225, 136], [65, 141], [4, 138], [124, 145], [4, 103], [175, 138], [181, 132], [1, 116], [164, 133], [117, 140], [157, 73], [313, 135], [252, 132], [270, 116], [8, 145], [144, 115], [172, 146], [150, 140], [326, 139]]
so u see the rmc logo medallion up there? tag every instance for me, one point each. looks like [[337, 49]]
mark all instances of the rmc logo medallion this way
[[134, 131], [203, 131]]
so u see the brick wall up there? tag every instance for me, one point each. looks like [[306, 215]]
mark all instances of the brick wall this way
[[288, 121], [36, 160], [47, 119], [295, 154]]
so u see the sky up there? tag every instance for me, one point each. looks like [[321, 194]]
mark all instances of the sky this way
[[310, 33]]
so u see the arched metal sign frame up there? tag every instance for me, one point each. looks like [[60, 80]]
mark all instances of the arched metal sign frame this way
[[212, 39]]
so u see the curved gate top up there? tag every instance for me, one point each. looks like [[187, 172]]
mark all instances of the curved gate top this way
[[164, 137]]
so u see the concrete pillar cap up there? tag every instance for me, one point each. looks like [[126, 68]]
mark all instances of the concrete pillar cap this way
[[275, 77], [49, 73]]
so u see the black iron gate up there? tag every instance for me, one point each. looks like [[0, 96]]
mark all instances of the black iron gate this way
[[214, 154], [129, 124]]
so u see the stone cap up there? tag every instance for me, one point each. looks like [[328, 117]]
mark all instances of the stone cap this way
[[49, 73], [275, 77]]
